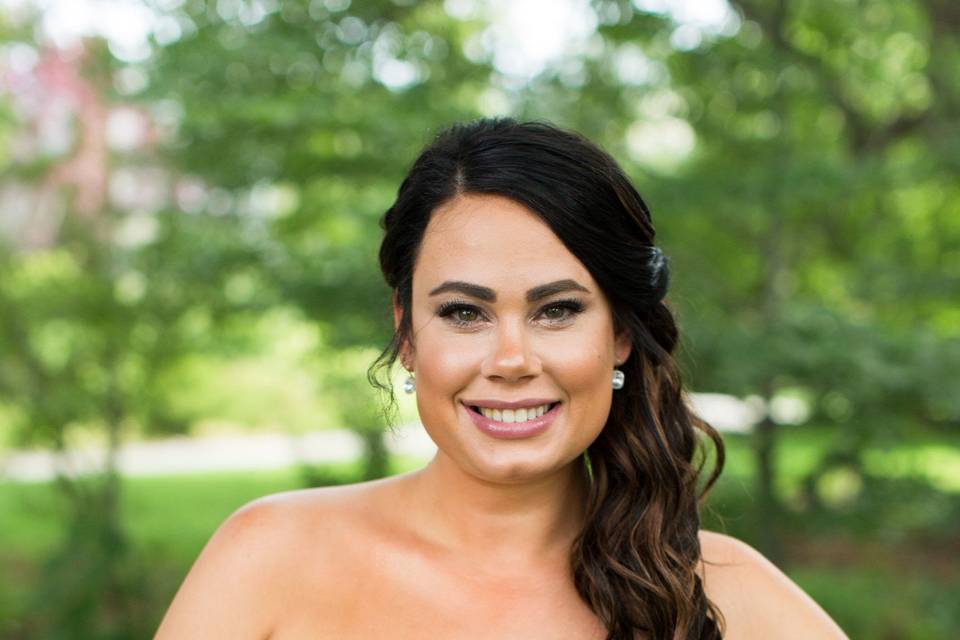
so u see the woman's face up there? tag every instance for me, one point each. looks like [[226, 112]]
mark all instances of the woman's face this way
[[481, 334]]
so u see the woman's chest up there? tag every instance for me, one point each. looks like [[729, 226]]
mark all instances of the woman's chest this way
[[406, 597], [405, 618]]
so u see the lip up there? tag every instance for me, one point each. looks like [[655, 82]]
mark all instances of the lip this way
[[502, 404], [514, 430]]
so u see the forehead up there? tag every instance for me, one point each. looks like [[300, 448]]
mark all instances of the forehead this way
[[496, 242]]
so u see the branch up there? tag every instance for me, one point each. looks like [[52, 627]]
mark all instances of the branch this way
[[943, 16], [865, 136]]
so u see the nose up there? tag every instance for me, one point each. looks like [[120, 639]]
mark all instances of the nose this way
[[511, 356]]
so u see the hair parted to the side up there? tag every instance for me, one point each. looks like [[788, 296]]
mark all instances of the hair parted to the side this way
[[634, 562]]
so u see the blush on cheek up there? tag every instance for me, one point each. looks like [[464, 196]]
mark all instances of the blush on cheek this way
[[583, 369], [444, 369], [449, 364], [578, 361]]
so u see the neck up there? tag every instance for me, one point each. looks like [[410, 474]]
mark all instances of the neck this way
[[519, 523]]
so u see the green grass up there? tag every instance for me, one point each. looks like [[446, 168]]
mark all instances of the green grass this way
[[201, 502], [176, 513], [883, 595], [176, 510]]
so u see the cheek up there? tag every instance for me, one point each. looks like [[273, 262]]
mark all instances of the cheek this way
[[578, 363], [580, 360], [583, 369], [445, 359], [446, 364]]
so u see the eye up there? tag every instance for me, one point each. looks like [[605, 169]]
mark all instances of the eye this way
[[555, 312], [459, 313], [562, 310], [465, 314]]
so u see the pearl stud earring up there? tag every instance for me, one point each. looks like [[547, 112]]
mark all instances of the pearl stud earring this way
[[618, 379]]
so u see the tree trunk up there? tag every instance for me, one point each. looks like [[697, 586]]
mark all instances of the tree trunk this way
[[775, 261], [769, 512], [376, 458]]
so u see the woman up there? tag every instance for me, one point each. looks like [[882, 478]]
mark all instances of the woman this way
[[562, 501]]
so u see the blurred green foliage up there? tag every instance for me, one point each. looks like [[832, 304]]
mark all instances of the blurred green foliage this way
[[801, 162]]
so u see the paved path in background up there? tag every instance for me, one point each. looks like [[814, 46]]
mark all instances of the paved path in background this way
[[242, 452], [278, 450]]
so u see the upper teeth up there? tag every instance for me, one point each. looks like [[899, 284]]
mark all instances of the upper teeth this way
[[514, 415]]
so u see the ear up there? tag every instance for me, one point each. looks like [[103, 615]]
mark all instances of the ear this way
[[622, 347], [397, 312], [405, 358]]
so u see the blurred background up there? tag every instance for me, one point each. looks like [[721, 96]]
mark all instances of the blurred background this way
[[189, 292]]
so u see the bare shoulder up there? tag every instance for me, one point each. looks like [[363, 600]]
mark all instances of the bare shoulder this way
[[254, 563], [757, 599]]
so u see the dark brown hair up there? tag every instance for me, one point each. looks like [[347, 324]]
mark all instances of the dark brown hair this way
[[634, 561]]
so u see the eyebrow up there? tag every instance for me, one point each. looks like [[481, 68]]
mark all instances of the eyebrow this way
[[489, 295]]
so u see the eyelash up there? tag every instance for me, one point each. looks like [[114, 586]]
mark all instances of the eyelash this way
[[448, 309]]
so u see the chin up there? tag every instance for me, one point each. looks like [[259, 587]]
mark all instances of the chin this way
[[505, 467]]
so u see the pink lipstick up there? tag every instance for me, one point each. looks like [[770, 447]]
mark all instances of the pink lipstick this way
[[513, 430]]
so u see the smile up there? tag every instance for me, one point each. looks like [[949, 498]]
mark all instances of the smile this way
[[522, 414], [512, 420]]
